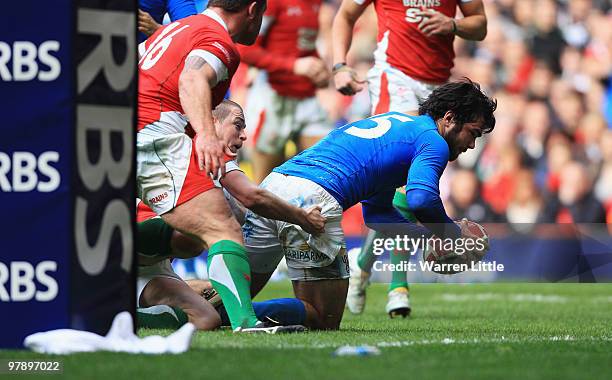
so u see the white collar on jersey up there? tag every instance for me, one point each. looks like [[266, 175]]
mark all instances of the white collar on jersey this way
[[215, 16]]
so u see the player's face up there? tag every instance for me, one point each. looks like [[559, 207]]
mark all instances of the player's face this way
[[464, 138], [253, 24], [232, 130]]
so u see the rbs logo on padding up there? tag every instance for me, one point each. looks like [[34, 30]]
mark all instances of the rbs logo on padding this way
[[24, 61], [21, 281], [24, 171]]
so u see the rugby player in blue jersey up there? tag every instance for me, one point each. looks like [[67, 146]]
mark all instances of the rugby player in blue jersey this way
[[365, 162]]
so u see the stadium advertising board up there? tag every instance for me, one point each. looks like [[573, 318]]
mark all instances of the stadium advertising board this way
[[66, 165]]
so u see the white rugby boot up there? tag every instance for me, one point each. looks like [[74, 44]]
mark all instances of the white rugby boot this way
[[270, 326], [398, 303], [358, 282]]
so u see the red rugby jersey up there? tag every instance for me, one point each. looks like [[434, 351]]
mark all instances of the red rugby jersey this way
[[204, 35], [402, 45]]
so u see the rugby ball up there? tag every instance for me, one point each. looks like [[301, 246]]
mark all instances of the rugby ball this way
[[454, 256]]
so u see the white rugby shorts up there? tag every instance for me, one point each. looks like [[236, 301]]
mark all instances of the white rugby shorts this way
[[277, 119], [308, 258], [167, 172], [392, 90]]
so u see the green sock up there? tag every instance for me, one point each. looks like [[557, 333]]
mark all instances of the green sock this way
[[366, 257], [398, 277], [401, 205], [153, 238], [230, 274], [161, 317]]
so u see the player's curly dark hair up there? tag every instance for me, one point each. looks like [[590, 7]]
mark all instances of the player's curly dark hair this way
[[465, 100], [233, 6]]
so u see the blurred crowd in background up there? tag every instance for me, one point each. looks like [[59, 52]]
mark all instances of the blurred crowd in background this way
[[549, 159], [549, 64]]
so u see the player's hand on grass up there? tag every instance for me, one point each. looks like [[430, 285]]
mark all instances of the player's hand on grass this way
[[346, 82], [435, 23], [314, 69], [146, 23], [211, 155], [314, 222]]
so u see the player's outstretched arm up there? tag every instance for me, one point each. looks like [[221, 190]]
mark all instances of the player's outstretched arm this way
[[268, 205], [427, 207], [342, 32], [195, 83], [380, 215], [422, 185]]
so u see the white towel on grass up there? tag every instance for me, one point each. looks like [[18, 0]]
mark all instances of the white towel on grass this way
[[120, 338]]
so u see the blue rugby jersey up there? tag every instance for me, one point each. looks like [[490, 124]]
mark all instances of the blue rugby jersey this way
[[372, 156], [367, 160]]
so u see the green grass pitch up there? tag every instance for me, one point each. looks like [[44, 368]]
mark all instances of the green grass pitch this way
[[494, 331]]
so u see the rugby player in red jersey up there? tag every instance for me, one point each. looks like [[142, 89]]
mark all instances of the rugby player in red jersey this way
[[184, 71], [168, 301]]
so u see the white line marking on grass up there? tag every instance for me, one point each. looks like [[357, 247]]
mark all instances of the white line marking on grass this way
[[520, 297], [538, 298], [566, 338], [426, 342], [601, 299]]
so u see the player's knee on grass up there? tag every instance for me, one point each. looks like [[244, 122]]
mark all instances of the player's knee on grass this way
[[176, 293], [324, 302], [321, 320], [204, 318]]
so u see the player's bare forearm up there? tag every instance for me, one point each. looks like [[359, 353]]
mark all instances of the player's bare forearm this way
[[326, 20], [268, 205], [195, 95], [310, 220], [258, 200], [342, 29], [343, 76], [472, 27], [341, 41]]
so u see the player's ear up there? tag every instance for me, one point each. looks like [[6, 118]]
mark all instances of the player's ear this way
[[252, 10], [449, 118]]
